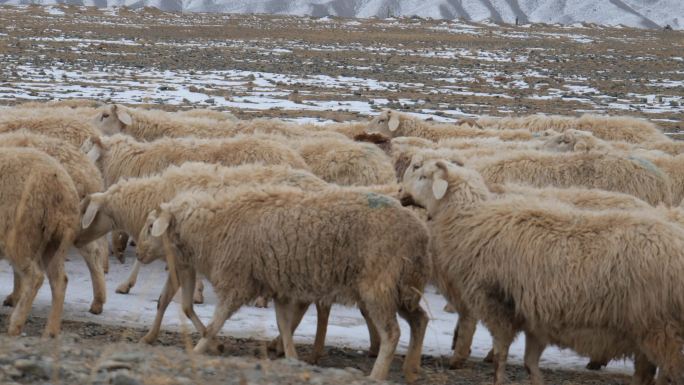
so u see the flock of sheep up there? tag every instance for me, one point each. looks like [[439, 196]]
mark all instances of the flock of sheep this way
[[566, 229]]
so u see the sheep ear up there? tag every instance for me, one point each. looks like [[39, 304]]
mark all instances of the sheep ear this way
[[393, 122], [439, 187], [160, 225], [439, 184], [124, 116], [94, 153], [90, 213]]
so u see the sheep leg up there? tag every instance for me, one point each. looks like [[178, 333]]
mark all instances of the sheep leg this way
[[596, 363], [92, 253], [645, 371], [58, 283], [16, 291], [165, 298], [125, 287], [284, 310], [463, 338], [222, 312], [31, 280], [322, 317], [187, 281], [417, 320], [503, 335], [388, 330], [198, 296], [299, 309], [119, 243], [372, 333], [533, 351], [663, 348]]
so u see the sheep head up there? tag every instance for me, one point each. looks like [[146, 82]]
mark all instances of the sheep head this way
[[571, 140], [95, 219], [387, 123], [433, 184], [113, 119], [153, 242]]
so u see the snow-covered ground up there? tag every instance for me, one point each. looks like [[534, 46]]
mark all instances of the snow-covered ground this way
[[346, 329]]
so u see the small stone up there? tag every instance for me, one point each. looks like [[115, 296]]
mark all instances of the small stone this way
[[123, 378], [111, 365], [39, 369]]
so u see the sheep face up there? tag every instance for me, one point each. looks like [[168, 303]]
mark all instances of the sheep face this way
[[150, 242], [386, 123], [570, 140], [424, 183], [95, 221], [113, 119]]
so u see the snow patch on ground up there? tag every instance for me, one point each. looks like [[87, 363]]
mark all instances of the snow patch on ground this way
[[346, 329]]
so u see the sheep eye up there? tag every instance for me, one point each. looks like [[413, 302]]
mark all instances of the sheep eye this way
[[382, 120], [416, 167], [422, 177], [105, 116]]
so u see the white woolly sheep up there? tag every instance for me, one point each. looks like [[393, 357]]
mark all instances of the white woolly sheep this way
[[209, 114], [394, 124], [87, 180], [38, 224], [121, 156], [154, 124], [608, 275], [632, 175], [618, 128], [60, 123], [346, 162], [378, 258]]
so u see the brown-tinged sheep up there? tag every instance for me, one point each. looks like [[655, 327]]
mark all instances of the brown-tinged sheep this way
[[632, 175], [38, 224], [346, 162], [60, 123], [560, 274], [618, 128], [124, 205], [120, 156], [394, 124], [209, 114], [154, 124], [87, 180], [378, 258]]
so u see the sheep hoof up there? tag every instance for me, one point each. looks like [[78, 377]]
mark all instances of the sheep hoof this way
[[124, 289], [132, 243], [148, 339], [489, 358], [120, 257], [96, 308], [595, 365], [411, 376], [373, 353], [457, 363], [9, 301], [313, 360], [449, 308], [198, 298], [215, 348]]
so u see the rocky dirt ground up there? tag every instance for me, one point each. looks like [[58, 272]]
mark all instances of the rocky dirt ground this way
[[325, 69], [338, 69], [90, 353]]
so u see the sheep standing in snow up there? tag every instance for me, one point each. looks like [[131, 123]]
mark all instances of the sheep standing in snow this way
[[287, 243], [60, 123], [87, 180], [393, 124], [38, 224], [120, 156], [632, 175], [154, 124], [617, 128], [608, 279], [345, 162]]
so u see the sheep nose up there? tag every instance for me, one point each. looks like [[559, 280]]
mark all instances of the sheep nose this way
[[407, 201]]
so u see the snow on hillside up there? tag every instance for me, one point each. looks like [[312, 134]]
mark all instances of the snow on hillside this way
[[634, 13]]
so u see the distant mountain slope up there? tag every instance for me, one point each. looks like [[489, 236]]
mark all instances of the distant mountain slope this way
[[635, 13]]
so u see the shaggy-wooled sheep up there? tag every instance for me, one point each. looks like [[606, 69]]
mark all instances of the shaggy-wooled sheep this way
[[289, 244]]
